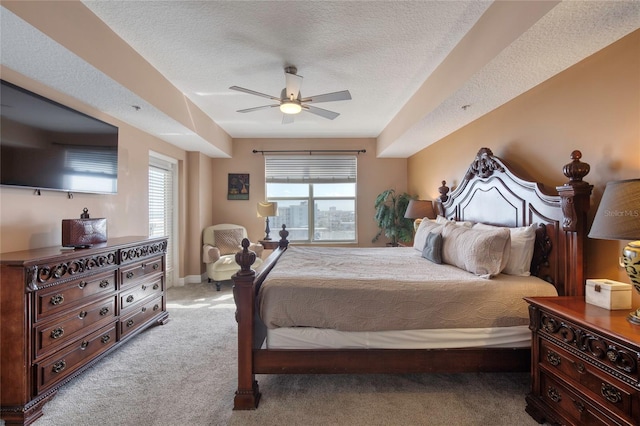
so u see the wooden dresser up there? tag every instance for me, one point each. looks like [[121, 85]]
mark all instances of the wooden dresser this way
[[61, 311], [584, 365]]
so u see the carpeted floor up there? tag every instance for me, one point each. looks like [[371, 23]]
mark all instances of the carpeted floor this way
[[184, 373]]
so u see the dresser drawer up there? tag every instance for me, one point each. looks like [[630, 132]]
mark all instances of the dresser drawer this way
[[606, 390], [574, 406], [139, 292], [52, 335], [69, 359], [57, 299], [140, 315], [131, 274]]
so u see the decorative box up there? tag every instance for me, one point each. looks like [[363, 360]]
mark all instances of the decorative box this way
[[608, 294], [83, 232]]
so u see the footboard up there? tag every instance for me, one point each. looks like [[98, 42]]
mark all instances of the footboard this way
[[251, 332]]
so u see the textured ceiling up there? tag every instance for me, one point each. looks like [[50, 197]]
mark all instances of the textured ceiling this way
[[383, 52]]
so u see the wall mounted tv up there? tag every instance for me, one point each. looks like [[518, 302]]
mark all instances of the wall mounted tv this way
[[47, 146]]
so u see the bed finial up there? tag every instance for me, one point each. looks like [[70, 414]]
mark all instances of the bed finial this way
[[245, 258], [283, 237], [444, 190], [484, 165], [576, 169]]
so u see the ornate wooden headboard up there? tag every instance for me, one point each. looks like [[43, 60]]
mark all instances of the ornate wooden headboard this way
[[492, 193]]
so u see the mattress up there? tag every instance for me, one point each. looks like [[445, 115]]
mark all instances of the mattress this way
[[317, 338], [388, 289]]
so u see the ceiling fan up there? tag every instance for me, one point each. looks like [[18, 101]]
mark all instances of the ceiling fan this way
[[291, 101]]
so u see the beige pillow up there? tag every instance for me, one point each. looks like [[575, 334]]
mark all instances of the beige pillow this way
[[443, 221], [228, 240], [425, 227], [521, 252], [484, 253]]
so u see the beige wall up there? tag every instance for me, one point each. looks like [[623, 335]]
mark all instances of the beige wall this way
[[29, 221], [593, 106], [374, 176]]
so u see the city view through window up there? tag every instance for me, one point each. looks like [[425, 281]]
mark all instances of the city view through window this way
[[332, 217]]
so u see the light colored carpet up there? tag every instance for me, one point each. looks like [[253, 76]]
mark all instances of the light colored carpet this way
[[184, 373]]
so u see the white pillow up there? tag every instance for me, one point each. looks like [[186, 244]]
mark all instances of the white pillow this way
[[522, 244], [482, 252], [443, 221], [423, 230]]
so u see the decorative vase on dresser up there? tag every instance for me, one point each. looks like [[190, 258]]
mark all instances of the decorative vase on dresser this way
[[584, 363], [61, 311]]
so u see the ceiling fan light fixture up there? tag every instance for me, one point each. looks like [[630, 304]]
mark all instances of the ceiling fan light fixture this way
[[290, 107]]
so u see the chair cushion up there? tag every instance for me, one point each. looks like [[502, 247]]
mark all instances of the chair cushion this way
[[228, 240]]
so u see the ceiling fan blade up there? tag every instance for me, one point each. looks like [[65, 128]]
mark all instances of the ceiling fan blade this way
[[321, 112], [257, 108], [343, 95], [253, 92], [287, 118], [294, 82]]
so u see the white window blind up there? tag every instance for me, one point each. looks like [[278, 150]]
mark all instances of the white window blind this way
[[161, 207], [311, 169]]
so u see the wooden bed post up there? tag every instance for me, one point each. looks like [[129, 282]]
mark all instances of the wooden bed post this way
[[575, 199], [247, 395]]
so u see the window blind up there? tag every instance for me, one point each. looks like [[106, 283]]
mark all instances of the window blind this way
[[161, 206], [310, 169]]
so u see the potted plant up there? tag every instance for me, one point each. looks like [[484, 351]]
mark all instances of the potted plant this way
[[390, 208]]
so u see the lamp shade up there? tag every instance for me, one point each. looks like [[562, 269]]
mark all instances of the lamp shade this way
[[418, 209], [267, 209], [618, 215]]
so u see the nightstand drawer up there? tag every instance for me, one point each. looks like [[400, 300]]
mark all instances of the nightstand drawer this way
[[608, 391], [574, 406]]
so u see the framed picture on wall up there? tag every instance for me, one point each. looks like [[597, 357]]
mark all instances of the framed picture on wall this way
[[238, 186]]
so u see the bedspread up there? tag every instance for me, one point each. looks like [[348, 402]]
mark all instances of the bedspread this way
[[376, 289]]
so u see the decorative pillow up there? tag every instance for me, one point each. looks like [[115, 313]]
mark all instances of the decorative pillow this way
[[484, 253], [443, 221], [423, 230], [522, 244], [228, 240], [433, 248]]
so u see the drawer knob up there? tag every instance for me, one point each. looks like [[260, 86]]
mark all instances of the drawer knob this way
[[553, 394], [580, 368], [155, 266], [553, 358], [59, 366], [156, 307], [82, 314], [130, 275], [130, 298], [155, 286], [104, 311], [104, 283], [144, 287], [105, 338], [57, 299], [610, 393], [84, 345], [579, 406], [82, 284], [130, 323], [56, 333]]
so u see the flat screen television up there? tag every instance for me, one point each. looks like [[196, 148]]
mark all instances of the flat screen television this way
[[47, 146]]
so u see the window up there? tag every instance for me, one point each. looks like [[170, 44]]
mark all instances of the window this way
[[162, 216], [316, 196]]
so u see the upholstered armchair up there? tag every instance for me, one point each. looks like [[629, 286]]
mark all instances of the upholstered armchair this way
[[220, 245]]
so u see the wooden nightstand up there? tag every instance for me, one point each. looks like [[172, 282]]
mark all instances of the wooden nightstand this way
[[269, 244], [584, 363]]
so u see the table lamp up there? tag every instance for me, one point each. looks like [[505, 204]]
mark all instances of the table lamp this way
[[266, 209], [419, 209], [618, 218]]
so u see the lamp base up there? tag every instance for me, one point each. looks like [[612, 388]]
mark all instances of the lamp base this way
[[631, 262]]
